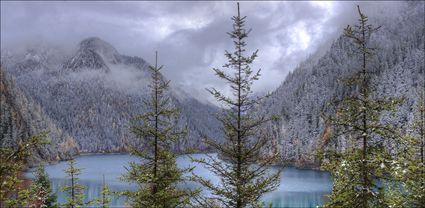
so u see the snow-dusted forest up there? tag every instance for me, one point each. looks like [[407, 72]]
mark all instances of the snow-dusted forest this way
[[304, 95], [92, 98]]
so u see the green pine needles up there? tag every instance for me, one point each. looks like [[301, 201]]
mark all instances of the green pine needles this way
[[42, 189], [105, 194], [358, 169], [242, 167], [74, 191], [157, 174], [409, 168], [414, 175], [13, 192]]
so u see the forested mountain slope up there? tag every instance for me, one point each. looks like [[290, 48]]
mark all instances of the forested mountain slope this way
[[93, 94], [302, 99], [87, 100], [21, 117]]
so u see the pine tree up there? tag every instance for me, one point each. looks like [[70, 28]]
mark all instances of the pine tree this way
[[357, 169], [414, 178], [13, 192], [15, 150], [157, 174], [418, 197], [42, 189], [409, 167], [74, 190], [105, 195], [243, 168]]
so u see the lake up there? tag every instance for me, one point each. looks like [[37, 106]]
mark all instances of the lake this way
[[298, 187]]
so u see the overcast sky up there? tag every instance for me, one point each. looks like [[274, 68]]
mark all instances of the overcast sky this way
[[189, 36]]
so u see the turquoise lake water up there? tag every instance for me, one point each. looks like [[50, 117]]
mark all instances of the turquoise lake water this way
[[298, 187]]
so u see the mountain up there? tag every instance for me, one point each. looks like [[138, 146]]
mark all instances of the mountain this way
[[86, 100], [93, 94], [302, 99], [21, 117], [93, 53]]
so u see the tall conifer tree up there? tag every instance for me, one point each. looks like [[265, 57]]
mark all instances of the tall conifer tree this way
[[409, 167], [13, 157], [105, 198], [13, 192], [74, 190], [243, 169], [42, 189], [157, 174], [357, 168], [419, 198], [415, 175]]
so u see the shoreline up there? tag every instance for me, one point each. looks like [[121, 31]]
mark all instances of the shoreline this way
[[283, 164]]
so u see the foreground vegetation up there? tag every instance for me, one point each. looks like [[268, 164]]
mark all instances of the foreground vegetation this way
[[381, 167], [367, 173]]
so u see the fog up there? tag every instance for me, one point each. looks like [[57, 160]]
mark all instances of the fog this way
[[189, 36]]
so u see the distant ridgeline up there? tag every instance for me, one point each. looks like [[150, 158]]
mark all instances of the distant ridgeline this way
[[302, 99], [86, 101]]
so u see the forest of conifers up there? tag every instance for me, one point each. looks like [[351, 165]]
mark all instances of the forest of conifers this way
[[373, 162]]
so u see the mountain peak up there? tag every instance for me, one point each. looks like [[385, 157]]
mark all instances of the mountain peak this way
[[94, 53], [98, 45]]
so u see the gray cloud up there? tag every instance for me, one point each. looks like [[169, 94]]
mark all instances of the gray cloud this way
[[190, 36]]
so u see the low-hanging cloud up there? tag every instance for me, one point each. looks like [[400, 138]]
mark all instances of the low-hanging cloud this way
[[189, 36]]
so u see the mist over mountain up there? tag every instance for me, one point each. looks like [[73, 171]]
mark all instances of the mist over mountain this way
[[397, 67], [87, 98], [93, 94]]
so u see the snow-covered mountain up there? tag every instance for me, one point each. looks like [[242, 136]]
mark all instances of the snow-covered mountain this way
[[21, 117], [398, 67], [87, 99], [93, 94]]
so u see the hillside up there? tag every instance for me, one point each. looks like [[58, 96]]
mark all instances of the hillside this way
[[87, 98], [93, 95], [21, 117], [302, 99]]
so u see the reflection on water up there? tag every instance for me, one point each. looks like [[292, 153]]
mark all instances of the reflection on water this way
[[298, 188]]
